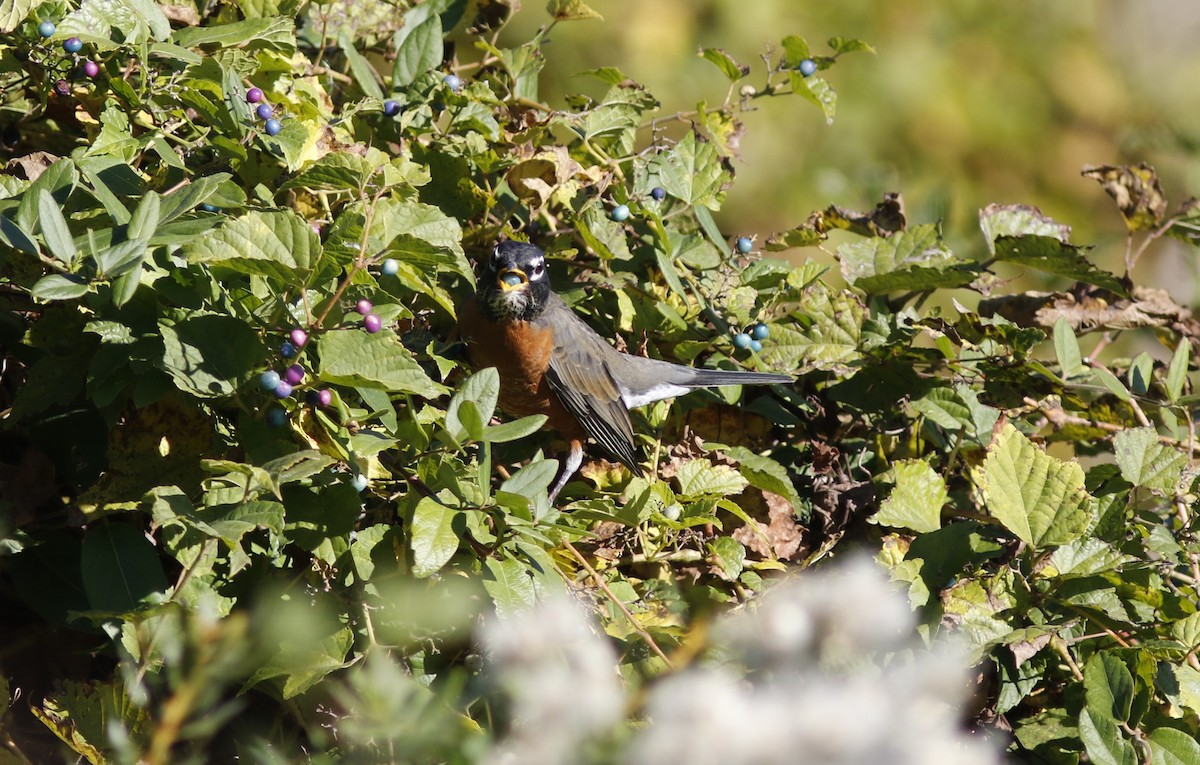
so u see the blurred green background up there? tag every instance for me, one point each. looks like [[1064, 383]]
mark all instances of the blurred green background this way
[[965, 104]]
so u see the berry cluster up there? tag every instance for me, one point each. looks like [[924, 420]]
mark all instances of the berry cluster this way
[[73, 66], [264, 111], [282, 385], [752, 339]]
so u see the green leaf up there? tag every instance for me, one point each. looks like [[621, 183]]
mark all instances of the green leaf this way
[[731, 556], [511, 431], [729, 66], [483, 390], [1047, 253], [59, 287], [146, 217], [273, 31], [916, 501], [120, 567], [816, 91], [210, 355], [364, 74], [795, 50], [1169, 746], [16, 237], [532, 479], [510, 586], [700, 478], [432, 537], [54, 228], [1110, 381], [59, 179], [355, 358], [418, 50], [1177, 371], [1066, 346], [692, 171], [13, 12], [828, 340], [1103, 740], [1109, 686], [1018, 220], [842, 45], [1038, 498], [1146, 461], [571, 10], [278, 245], [920, 246], [765, 473]]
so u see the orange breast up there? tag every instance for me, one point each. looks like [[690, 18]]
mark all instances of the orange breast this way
[[520, 352]]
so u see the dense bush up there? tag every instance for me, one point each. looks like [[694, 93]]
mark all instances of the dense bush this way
[[255, 508]]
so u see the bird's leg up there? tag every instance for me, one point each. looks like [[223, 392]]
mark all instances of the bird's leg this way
[[567, 468]]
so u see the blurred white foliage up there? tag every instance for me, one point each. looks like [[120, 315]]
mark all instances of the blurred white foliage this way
[[561, 676], [825, 668]]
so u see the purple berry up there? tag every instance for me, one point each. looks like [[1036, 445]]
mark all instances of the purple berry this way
[[372, 323], [269, 380], [264, 111], [62, 87], [391, 108], [91, 68], [658, 193], [363, 306], [324, 397], [254, 95], [283, 389], [72, 45], [287, 350], [277, 417], [298, 337], [294, 374]]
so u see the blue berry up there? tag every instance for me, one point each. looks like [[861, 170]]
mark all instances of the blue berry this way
[[47, 29], [755, 346], [658, 193], [264, 111], [744, 244], [760, 332], [808, 67], [206, 207], [620, 213], [390, 267], [391, 108], [287, 350], [269, 380], [283, 389], [742, 340], [277, 417], [72, 45], [273, 127], [453, 81], [359, 482]]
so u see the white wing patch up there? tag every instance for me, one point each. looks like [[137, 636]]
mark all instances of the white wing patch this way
[[657, 392]]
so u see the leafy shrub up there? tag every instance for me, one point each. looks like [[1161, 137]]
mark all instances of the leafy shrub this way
[[202, 564]]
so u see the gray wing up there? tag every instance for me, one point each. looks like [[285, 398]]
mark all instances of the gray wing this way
[[580, 377]]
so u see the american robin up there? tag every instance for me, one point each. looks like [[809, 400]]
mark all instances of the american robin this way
[[552, 363]]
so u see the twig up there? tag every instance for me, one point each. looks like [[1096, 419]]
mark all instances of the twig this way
[[637, 626]]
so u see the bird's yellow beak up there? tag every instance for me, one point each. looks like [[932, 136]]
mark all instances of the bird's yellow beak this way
[[512, 279]]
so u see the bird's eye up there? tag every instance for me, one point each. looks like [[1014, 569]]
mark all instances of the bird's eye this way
[[538, 268]]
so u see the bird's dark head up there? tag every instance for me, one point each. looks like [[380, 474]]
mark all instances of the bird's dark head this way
[[515, 284]]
